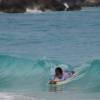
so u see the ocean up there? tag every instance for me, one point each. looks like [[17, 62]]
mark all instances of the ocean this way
[[33, 43]]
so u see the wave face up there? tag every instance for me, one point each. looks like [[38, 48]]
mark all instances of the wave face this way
[[88, 79], [22, 74], [17, 73]]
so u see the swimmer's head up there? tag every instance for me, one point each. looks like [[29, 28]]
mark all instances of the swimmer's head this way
[[58, 71]]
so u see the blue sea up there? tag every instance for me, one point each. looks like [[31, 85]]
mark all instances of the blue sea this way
[[33, 43]]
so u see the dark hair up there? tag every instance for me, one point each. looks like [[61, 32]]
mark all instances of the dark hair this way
[[59, 70], [72, 72]]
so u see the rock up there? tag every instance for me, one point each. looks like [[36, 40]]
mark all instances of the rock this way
[[91, 3], [20, 6], [61, 5], [13, 10], [14, 6], [73, 4], [51, 5]]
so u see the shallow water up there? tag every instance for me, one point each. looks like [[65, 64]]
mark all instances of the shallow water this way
[[31, 44]]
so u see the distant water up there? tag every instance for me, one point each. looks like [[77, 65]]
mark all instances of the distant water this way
[[32, 43]]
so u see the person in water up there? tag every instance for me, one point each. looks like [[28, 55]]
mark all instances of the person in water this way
[[60, 75]]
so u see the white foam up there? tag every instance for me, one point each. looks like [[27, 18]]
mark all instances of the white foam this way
[[12, 96], [66, 5], [35, 10], [4, 96]]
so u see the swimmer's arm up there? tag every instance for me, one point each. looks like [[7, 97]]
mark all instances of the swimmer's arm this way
[[52, 82]]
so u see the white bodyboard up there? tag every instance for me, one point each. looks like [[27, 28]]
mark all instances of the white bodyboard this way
[[67, 80]]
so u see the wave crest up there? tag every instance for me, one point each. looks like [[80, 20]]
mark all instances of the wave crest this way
[[21, 74]]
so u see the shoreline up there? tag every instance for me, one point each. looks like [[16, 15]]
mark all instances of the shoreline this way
[[22, 6]]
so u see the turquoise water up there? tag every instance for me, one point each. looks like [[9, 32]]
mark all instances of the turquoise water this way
[[30, 44]]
